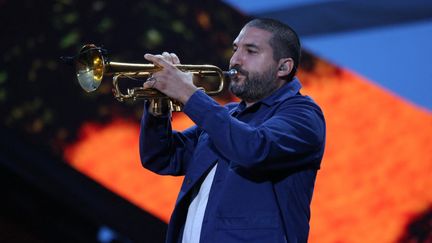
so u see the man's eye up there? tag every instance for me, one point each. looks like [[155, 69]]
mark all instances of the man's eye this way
[[252, 51]]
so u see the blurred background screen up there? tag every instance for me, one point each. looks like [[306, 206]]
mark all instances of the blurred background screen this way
[[69, 162]]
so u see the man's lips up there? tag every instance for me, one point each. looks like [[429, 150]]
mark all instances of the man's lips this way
[[240, 75]]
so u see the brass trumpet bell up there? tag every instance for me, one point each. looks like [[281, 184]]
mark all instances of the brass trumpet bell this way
[[90, 65]]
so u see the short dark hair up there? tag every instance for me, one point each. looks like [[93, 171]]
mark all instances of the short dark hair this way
[[285, 41]]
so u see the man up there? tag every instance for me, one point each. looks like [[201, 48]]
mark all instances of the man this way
[[250, 167]]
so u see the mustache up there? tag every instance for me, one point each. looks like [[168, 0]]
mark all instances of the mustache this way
[[240, 70]]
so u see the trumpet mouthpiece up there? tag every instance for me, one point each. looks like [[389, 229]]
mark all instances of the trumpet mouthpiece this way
[[231, 73]]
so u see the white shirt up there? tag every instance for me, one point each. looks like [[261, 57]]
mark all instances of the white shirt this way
[[195, 214]]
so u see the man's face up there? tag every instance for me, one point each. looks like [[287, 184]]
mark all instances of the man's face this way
[[253, 58]]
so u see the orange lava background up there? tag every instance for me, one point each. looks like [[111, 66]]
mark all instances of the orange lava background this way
[[375, 176]]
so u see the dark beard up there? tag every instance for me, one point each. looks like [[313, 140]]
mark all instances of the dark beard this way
[[256, 86]]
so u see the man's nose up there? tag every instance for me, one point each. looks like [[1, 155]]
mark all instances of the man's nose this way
[[235, 59]]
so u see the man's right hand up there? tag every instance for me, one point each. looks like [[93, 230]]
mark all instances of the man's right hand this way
[[171, 81]]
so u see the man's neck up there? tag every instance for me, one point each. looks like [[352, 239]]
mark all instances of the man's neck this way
[[248, 104]]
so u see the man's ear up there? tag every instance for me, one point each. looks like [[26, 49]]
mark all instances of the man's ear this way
[[285, 66]]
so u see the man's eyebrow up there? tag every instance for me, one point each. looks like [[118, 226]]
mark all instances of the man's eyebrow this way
[[251, 45]]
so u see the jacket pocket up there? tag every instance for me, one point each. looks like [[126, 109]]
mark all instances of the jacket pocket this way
[[251, 229]]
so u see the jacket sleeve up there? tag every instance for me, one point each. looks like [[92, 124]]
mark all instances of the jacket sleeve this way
[[294, 136], [163, 150]]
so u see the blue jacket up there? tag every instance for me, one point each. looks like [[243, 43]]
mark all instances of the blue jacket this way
[[268, 155]]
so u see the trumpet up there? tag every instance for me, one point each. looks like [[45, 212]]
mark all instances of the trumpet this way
[[92, 66]]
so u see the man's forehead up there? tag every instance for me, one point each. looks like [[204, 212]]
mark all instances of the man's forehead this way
[[253, 35]]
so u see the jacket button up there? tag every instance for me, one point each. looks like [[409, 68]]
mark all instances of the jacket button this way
[[188, 181]]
